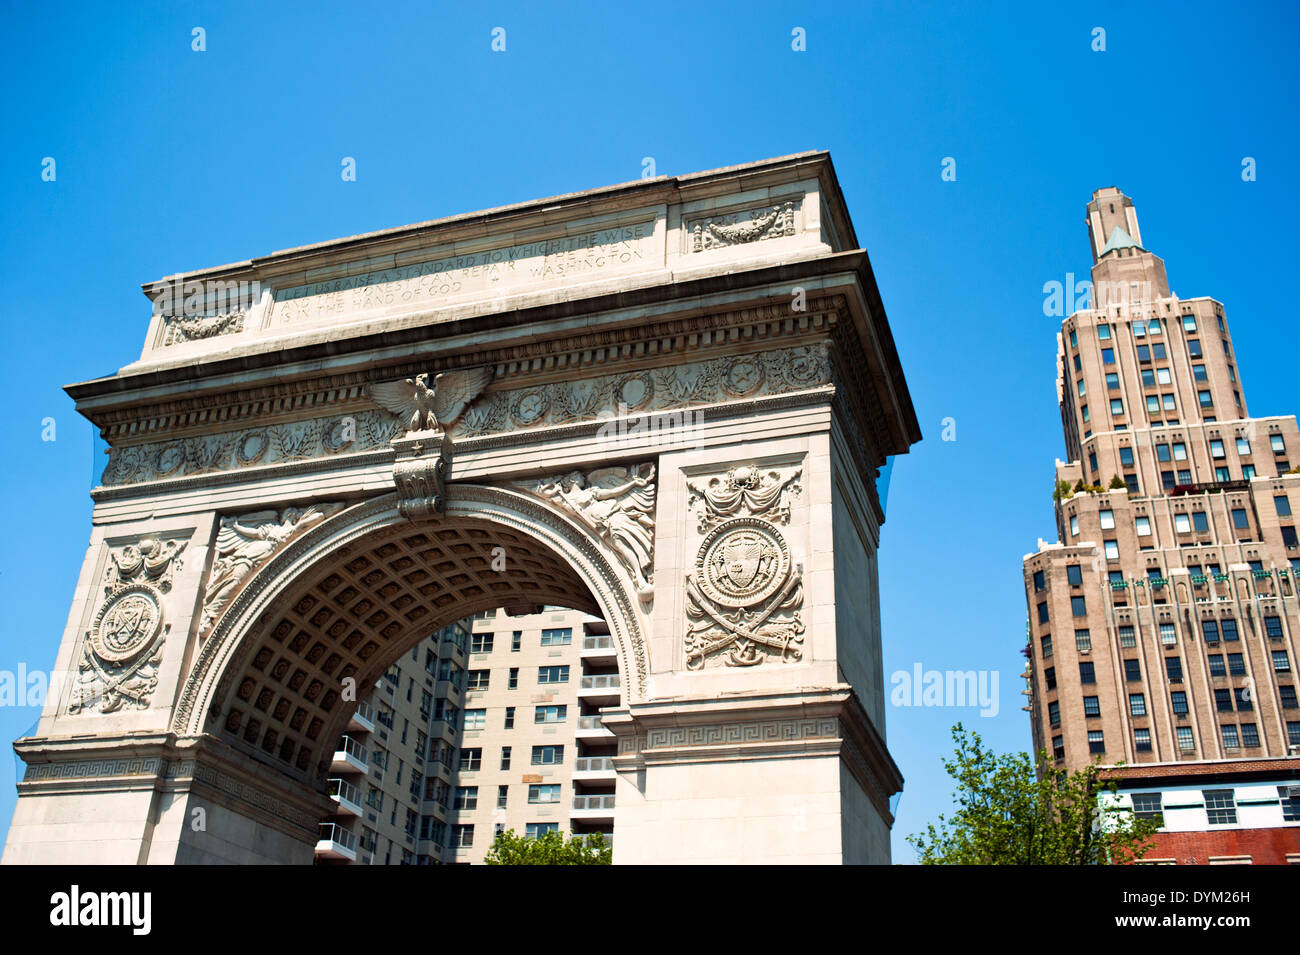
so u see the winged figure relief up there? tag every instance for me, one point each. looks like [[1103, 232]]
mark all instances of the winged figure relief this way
[[421, 407]]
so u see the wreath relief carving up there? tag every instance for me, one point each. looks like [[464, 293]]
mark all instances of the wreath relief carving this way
[[745, 593], [123, 648]]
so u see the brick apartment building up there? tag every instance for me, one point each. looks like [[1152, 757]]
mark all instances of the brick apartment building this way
[[1163, 622]]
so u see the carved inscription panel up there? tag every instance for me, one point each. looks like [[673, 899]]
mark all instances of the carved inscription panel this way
[[575, 258]]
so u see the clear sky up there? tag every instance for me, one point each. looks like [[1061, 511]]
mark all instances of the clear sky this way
[[168, 159]]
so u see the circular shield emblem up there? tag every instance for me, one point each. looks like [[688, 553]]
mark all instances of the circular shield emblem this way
[[127, 624], [742, 562]]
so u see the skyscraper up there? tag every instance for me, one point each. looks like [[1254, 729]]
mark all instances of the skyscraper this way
[[1163, 622]]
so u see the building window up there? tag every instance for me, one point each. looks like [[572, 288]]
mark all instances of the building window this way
[[1108, 356], [1167, 401], [1112, 550], [1086, 417], [1168, 636], [1222, 475], [471, 759], [1143, 525], [1182, 522], [1276, 443], [548, 755], [505, 757], [1087, 672], [1289, 796], [535, 830], [475, 719], [1074, 575], [1107, 518], [1116, 407], [1229, 630], [1131, 482], [1293, 733], [462, 837], [1103, 332], [1289, 536], [1283, 505], [1112, 381], [466, 798], [1286, 693], [1039, 581], [557, 638], [557, 674], [1163, 376], [1178, 699], [1126, 457], [1199, 373], [1174, 669], [503, 795], [1046, 642], [1079, 606], [1236, 664], [1132, 671], [1147, 806], [1194, 347], [1058, 746], [1223, 700], [1281, 662], [510, 718], [1082, 640], [1091, 706], [513, 683], [1230, 738], [1273, 628], [550, 714], [1239, 518], [543, 793], [1054, 713], [1210, 630], [1142, 740], [1137, 704], [516, 641], [1049, 677], [1186, 743], [480, 643], [1153, 403], [1096, 741], [478, 679], [1127, 638], [1249, 735]]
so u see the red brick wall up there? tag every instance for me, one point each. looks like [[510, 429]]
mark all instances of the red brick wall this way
[[1264, 846]]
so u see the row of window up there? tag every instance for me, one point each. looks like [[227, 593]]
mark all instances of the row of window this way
[[1235, 736], [539, 794], [1220, 806], [482, 679], [483, 642], [462, 837]]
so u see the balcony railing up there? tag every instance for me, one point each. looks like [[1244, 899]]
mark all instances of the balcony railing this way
[[593, 764], [598, 643], [332, 832], [590, 723], [603, 682], [344, 791], [593, 802], [350, 746]]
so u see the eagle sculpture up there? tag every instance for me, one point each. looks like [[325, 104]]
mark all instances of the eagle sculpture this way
[[422, 408]]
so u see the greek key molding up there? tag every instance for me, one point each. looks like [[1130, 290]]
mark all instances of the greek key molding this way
[[724, 734], [106, 768]]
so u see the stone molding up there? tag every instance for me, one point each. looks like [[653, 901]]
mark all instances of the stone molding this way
[[220, 653], [810, 721], [202, 765]]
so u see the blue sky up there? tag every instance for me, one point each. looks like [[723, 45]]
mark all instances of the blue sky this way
[[169, 160]]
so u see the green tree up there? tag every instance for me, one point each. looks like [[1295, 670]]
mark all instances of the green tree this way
[[1117, 483], [1010, 814], [549, 848]]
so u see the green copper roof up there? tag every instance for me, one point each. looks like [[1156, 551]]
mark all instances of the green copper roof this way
[[1119, 239]]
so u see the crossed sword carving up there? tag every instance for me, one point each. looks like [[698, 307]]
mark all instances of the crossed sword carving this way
[[739, 631]]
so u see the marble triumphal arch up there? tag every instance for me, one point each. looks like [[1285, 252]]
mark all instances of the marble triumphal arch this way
[[666, 402]]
